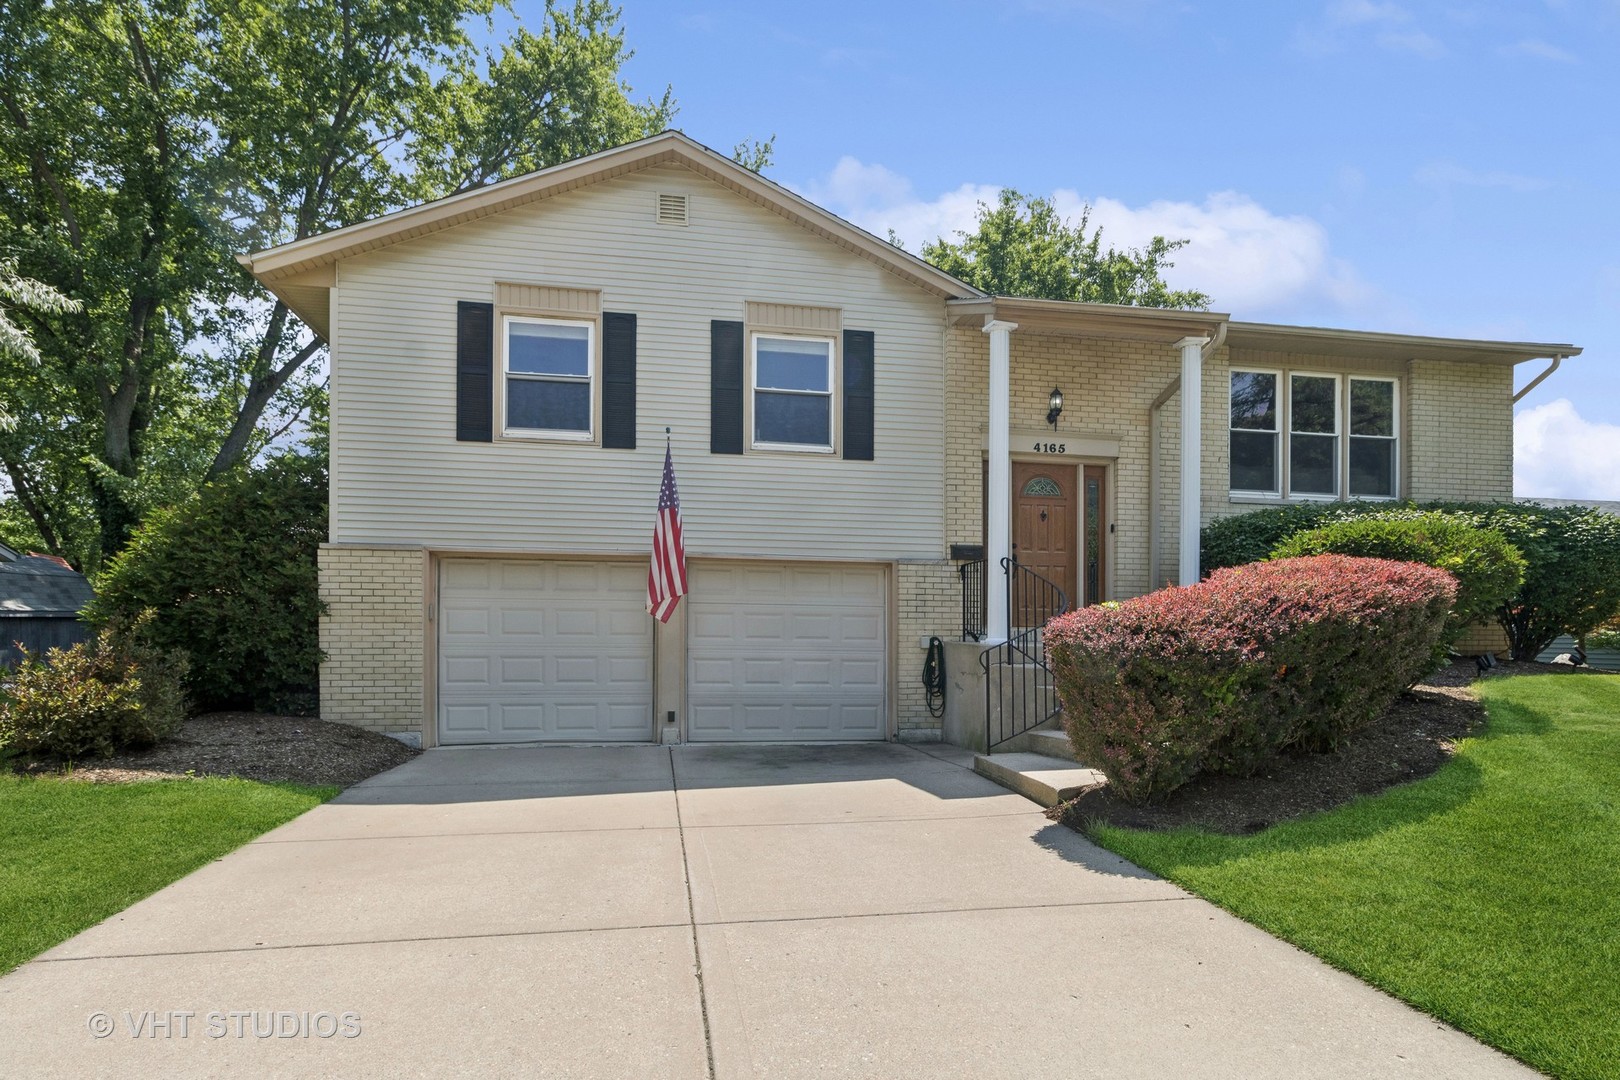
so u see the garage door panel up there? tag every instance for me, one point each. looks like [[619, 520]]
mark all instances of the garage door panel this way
[[762, 672], [813, 673], [472, 575], [522, 669], [458, 621], [461, 718], [787, 652], [466, 671], [860, 675], [533, 650], [522, 718], [806, 628]]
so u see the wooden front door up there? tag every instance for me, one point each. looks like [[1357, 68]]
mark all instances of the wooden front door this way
[[1044, 527]]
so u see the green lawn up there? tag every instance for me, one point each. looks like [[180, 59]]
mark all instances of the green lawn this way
[[73, 853], [1487, 894]]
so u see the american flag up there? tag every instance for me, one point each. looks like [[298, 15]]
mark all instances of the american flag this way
[[666, 577]]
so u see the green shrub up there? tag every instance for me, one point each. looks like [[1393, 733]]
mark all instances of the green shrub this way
[[1252, 537], [231, 577], [93, 698], [1572, 573], [1572, 557], [1488, 569], [1222, 675]]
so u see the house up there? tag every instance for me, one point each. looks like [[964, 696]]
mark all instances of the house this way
[[506, 362], [40, 600]]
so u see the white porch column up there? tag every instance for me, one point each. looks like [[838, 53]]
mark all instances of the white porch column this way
[[998, 490], [1192, 453]]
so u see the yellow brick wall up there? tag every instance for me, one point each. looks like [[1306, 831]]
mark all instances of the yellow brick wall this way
[[373, 638], [929, 605], [1460, 431]]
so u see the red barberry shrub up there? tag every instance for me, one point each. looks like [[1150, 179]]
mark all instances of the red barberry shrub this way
[[1220, 676]]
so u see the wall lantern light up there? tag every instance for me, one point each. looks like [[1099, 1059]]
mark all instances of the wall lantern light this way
[[1055, 408]]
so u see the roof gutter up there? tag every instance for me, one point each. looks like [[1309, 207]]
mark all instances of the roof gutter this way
[[1539, 379]]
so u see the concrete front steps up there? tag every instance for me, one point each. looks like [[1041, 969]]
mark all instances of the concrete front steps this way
[[1039, 764]]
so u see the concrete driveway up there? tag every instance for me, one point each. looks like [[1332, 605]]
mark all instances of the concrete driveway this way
[[871, 911]]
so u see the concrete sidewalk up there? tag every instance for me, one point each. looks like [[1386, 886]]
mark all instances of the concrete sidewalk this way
[[871, 911]]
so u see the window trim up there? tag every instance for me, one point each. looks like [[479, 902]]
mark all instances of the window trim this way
[[831, 393], [1394, 437], [1276, 432], [591, 378], [1341, 453]]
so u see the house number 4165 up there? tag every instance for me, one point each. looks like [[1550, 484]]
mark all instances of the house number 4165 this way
[[1051, 448]]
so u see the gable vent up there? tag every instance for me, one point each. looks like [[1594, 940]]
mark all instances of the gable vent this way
[[671, 209]]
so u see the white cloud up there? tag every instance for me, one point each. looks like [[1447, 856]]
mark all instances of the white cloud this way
[[1559, 454], [1540, 50], [1363, 13], [1442, 175], [1248, 259], [1413, 41], [879, 199], [1245, 257], [1388, 25]]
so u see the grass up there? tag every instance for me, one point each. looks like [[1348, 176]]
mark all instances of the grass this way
[[73, 853], [1487, 895]]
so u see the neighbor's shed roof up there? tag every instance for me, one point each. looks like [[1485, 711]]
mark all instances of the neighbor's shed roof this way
[[32, 585]]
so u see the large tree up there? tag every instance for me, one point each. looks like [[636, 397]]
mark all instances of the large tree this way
[[1022, 246], [145, 143]]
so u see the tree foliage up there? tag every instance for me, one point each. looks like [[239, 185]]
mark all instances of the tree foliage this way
[[230, 576], [146, 143], [1024, 247]]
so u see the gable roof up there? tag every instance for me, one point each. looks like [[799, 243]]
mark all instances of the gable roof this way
[[300, 272], [36, 585]]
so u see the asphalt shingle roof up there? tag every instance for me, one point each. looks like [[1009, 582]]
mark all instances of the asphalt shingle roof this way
[[34, 586]]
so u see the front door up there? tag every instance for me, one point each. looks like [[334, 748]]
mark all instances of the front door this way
[[1045, 523]]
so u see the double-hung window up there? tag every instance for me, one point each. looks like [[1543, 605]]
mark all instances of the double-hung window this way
[[1254, 433], [1373, 451], [793, 392], [1342, 435], [547, 373], [1313, 436]]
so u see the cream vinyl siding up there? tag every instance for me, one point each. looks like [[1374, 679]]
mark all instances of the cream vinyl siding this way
[[399, 475]]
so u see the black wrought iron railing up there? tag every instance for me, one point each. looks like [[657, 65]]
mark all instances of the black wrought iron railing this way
[[973, 599], [1020, 693]]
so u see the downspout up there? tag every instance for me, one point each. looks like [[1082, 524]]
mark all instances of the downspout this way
[[1539, 379]]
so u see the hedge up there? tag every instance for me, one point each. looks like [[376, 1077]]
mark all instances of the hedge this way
[[1221, 675], [231, 577], [1488, 569], [1572, 556]]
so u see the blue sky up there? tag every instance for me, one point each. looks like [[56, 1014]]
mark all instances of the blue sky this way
[[1427, 168]]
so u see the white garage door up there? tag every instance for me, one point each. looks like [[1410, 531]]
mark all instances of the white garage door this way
[[532, 651], [785, 651]]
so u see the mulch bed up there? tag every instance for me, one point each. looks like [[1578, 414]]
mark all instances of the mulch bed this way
[[254, 746], [1416, 736]]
